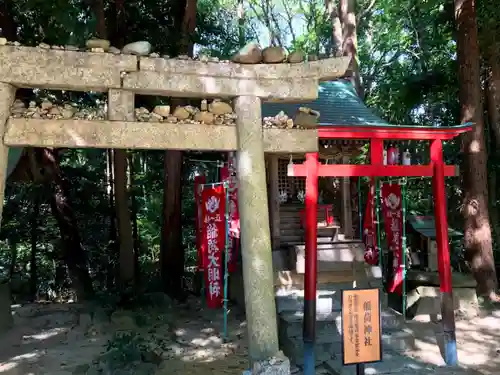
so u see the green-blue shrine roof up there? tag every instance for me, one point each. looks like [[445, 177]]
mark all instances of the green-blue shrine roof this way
[[426, 226], [338, 104]]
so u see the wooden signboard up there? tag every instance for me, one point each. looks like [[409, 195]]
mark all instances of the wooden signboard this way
[[361, 328]]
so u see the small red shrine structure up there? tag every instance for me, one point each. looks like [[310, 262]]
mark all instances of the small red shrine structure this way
[[437, 169]]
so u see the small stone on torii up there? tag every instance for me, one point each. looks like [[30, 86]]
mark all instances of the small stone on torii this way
[[306, 118]]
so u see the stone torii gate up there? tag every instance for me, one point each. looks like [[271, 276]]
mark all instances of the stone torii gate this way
[[124, 76]]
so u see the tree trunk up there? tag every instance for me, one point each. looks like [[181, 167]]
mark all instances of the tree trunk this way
[[120, 23], [135, 231], [34, 239], [113, 241], [492, 95], [332, 9], [126, 254], [172, 251], [350, 40], [493, 91], [13, 258], [478, 243], [98, 9], [7, 22], [73, 253]]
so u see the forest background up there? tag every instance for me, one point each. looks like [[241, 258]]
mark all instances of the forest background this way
[[110, 222]]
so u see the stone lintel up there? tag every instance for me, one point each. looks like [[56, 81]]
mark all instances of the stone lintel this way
[[63, 70], [326, 69], [284, 140], [10, 55], [200, 86], [144, 135]]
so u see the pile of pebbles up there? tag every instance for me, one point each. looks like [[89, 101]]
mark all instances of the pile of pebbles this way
[[48, 110], [217, 112], [252, 53], [305, 118]]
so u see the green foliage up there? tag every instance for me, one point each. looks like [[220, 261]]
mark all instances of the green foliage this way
[[407, 60]]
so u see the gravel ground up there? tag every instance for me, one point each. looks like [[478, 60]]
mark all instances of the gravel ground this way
[[64, 339]]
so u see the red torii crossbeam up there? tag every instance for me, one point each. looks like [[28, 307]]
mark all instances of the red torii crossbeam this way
[[312, 169]]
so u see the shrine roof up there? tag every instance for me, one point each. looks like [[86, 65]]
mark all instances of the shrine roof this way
[[426, 226], [338, 104]]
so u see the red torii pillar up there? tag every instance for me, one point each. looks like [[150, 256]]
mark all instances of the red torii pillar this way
[[311, 169]]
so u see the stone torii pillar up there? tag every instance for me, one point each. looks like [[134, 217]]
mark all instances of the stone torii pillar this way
[[255, 237], [7, 96]]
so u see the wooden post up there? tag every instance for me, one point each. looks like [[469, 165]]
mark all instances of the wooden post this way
[[444, 266], [346, 208], [255, 236], [7, 96], [274, 203]]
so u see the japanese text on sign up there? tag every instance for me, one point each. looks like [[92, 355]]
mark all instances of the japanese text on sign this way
[[214, 235], [361, 326]]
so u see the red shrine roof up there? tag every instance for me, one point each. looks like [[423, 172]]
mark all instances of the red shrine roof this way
[[392, 132]]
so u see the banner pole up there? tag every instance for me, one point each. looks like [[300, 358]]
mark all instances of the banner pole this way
[[379, 239], [199, 225], [403, 263], [226, 273], [360, 214]]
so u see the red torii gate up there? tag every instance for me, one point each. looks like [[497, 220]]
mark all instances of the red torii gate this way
[[437, 169]]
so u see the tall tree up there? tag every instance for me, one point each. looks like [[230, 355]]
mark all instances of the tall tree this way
[[478, 241], [73, 254], [7, 22], [332, 8], [172, 251], [47, 160], [123, 216], [347, 12]]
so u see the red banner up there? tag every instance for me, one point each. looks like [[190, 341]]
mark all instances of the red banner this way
[[213, 240], [392, 210], [369, 230], [198, 182], [228, 174]]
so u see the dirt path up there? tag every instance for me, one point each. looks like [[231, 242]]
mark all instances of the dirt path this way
[[64, 339]]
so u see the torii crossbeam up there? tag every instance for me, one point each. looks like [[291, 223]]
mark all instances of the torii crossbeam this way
[[437, 169]]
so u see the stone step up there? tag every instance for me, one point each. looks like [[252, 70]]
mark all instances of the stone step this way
[[290, 225], [291, 298], [296, 236], [342, 242], [294, 350], [320, 240], [322, 231], [296, 219], [339, 256], [391, 324], [292, 238], [296, 214], [292, 279], [424, 302], [395, 338]]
